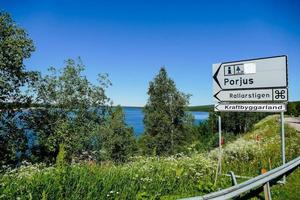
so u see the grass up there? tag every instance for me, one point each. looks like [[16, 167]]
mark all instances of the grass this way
[[143, 178], [159, 178], [262, 146], [290, 190], [246, 156]]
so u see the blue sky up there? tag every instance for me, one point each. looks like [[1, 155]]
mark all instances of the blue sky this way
[[131, 40]]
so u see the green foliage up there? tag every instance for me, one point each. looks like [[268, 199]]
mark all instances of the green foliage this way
[[205, 108], [77, 109], [61, 156], [234, 122], [15, 46], [142, 178], [253, 154], [165, 119], [61, 88], [170, 177], [70, 110], [246, 156], [293, 108], [13, 141], [290, 190], [117, 140], [240, 122]]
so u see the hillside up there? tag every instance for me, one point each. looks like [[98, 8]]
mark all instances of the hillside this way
[[159, 177], [260, 148]]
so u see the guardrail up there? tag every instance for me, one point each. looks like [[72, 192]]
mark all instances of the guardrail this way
[[270, 177]]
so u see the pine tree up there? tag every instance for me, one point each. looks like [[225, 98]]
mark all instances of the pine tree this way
[[165, 116]]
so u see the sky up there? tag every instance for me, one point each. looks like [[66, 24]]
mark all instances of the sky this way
[[131, 40]]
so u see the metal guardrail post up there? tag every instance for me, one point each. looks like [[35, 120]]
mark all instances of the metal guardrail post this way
[[267, 191], [233, 178]]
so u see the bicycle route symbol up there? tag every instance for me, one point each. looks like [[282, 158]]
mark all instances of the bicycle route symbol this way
[[280, 94]]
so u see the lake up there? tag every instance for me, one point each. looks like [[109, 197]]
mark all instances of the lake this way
[[134, 117]]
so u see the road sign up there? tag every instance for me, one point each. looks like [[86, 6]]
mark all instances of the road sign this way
[[275, 94], [234, 107], [255, 80], [270, 72]]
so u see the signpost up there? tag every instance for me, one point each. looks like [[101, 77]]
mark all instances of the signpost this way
[[254, 85]]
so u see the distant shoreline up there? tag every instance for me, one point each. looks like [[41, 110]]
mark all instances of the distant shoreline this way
[[203, 108]]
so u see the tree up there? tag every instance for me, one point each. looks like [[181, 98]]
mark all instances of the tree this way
[[232, 122], [75, 108], [298, 108], [292, 109], [165, 116], [242, 122], [117, 140], [15, 46]]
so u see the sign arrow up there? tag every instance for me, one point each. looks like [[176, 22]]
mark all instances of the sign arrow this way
[[216, 96], [216, 76], [216, 107]]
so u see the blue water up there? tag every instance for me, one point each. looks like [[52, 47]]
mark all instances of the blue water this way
[[134, 118]]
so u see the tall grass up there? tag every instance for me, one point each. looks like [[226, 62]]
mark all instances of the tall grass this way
[[153, 177], [143, 178], [260, 148]]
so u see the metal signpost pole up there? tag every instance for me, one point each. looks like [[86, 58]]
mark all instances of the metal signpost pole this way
[[282, 141], [219, 170]]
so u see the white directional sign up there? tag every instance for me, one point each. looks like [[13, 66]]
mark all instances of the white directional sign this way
[[255, 80], [276, 94], [263, 79], [250, 107]]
